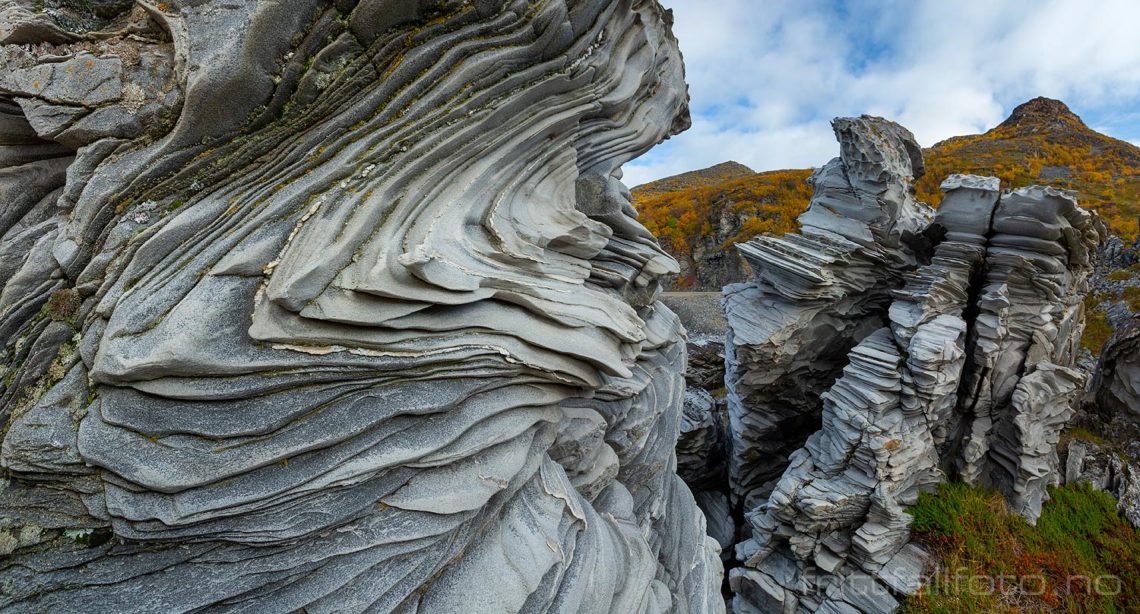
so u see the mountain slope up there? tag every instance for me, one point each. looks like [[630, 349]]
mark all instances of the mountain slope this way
[[699, 215], [1044, 142], [713, 175]]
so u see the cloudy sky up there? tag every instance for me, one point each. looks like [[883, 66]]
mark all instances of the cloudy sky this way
[[765, 76]]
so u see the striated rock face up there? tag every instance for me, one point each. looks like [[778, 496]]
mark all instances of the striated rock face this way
[[816, 295], [960, 362], [702, 448], [339, 306]]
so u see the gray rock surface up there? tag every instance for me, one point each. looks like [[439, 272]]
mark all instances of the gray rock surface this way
[[1106, 469], [958, 343], [339, 306], [815, 296], [1116, 382], [702, 444], [706, 364], [702, 454], [1116, 254]]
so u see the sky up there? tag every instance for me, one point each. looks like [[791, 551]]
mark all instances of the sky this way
[[766, 76]]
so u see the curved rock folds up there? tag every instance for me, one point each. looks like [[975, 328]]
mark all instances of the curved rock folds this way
[[961, 362], [340, 306]]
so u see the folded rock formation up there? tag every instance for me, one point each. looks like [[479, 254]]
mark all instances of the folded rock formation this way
[[914, 351], [339, 306]]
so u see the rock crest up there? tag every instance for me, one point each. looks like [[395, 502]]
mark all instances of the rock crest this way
[[1041, 113]]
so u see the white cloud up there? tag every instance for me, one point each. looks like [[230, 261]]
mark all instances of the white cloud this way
[[766, 77]]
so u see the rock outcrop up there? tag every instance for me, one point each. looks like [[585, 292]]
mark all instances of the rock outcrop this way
[[1116, 383], [914, 349], [816, 295], [1108, 470], [339, 306]]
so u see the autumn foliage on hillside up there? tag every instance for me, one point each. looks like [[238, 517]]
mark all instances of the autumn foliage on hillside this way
[[1045, 143], [1042, 142], [762, 203]]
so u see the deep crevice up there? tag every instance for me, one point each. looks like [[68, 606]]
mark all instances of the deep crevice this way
[[965, 416]]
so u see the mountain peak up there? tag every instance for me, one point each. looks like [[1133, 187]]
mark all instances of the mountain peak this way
[[731, 167], [708, 176], [1042, 113]]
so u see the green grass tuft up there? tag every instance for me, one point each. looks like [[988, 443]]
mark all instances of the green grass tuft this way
[[1080, 544], [1083, 434], [1131, 295]]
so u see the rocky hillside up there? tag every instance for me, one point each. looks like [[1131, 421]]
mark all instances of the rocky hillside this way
[[698, 215], [706, 177], [1044, 142]]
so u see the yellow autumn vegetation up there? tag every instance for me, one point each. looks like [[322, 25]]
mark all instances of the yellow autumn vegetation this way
[[688, 215], [1060, 151], [1103, 171]]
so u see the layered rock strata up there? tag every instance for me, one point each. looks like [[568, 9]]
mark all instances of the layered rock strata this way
[[816, 295], [702, 451], [339, 306], [967, 370]]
